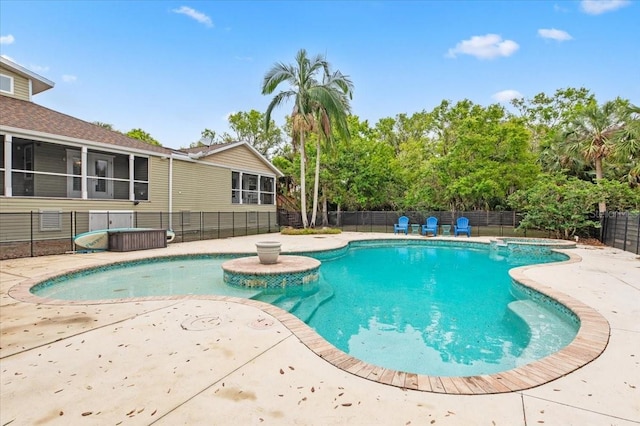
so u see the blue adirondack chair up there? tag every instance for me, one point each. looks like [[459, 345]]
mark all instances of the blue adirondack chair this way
[[402, 225], [430, 225], [462, 227]]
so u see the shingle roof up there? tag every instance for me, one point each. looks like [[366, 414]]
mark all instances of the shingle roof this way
[[29, 116], [207, 149]]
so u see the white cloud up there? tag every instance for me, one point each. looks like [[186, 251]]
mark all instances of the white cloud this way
[[192, 13], [484, 47], [68, 78], [559, 8], [8, 39], [596, 7], [38, 68], [506, 95], [554, 34]]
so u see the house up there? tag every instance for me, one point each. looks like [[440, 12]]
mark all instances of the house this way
[[54, 164]]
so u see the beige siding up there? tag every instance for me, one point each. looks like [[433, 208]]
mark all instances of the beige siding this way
[[201, 187], [158, 186], [20, 84], [240, 158]]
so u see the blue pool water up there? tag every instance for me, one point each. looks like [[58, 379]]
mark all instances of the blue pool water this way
[[433, 310]]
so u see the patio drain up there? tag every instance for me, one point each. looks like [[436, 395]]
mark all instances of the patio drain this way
[[205, 322], [261, 324]]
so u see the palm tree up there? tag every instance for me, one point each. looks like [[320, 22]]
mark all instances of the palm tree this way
[[310, 96], [328, 117], [629, 145], [595, 132]]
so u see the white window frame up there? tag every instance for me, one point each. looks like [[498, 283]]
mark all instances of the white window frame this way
[[11, 84], [242, 193]]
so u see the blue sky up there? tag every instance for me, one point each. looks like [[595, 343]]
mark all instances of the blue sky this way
[[176, 68]]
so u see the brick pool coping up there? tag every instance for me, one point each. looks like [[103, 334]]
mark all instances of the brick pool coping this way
[[590, 341]]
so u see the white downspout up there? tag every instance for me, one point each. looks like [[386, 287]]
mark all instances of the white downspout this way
[[132, 195], [170, 192]]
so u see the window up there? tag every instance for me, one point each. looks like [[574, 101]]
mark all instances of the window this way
[[249, 188], [6, 84], [28, 161], [235, 188], [267, 190]]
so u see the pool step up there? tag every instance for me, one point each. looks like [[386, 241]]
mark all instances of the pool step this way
[[267, 298], [309, 305], [288, 303], [547, 329]]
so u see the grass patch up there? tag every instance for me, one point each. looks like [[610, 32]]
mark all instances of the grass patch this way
[[308, 231]]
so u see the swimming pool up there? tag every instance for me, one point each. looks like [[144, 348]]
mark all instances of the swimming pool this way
[[421, 308]]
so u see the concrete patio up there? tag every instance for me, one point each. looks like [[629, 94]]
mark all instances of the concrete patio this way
[[196, 360]]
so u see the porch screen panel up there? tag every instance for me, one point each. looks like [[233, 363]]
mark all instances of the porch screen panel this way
[[267, 190], [249, 189], [141, 178], [121, 177], [235, 188]]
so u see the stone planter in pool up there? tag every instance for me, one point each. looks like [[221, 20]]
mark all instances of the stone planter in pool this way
[[289, 271], [268, 251]]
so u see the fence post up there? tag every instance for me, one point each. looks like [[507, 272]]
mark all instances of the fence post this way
[[626, 228], [201, 226], [71, 231], [604, 224], [615, 230], [638, 236], [31, 233], [218, 225], [233, 224]]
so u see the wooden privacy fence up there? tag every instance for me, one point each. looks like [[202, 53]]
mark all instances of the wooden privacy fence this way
[[621, 230]]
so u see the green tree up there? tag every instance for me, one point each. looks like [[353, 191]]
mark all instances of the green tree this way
[[561, 205], [105, 125], [595, 132], [361, 174], [330, 120], [477, 158], [143, 136], [628, 148], [307, 93], [545, 115], [252, 128]]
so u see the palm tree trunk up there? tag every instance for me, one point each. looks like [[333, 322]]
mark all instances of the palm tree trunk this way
[[303, 182], [602, 206], [316, 183], [325, 207]]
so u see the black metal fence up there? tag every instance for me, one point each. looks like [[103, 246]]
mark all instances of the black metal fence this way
[[52, 232], [483, 223], [621, 230]]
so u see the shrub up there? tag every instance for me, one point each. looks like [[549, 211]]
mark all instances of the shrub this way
[[308, 231]]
